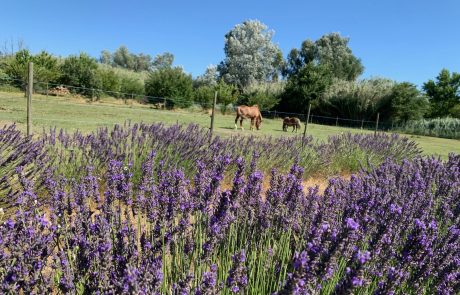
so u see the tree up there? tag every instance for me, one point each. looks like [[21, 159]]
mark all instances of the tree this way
[[171, 83], [142, 62], [204, 96], [162, 61], [16, 67], [46, 68], [455, 111], [251, 56], [444, 93], [127, 60], [265, 95], [110, 81], [307, 86], [331, 50], [81, 71], [106, 57], [130, 86], [209, 78], [123, 58], [407, 103], [226, 94]]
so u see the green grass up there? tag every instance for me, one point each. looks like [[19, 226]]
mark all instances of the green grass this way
[[78, 113]]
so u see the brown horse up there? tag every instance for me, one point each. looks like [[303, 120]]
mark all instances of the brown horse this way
[[294, 122], [246, 112]]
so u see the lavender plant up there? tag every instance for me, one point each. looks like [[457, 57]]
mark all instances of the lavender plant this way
[[118, 212]]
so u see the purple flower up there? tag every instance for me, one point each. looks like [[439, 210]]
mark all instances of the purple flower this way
[[351, 224]]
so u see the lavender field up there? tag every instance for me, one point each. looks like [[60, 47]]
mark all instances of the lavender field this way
[[149, 209]]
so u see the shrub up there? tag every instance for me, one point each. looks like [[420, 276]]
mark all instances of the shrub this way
[[81, 71], [132, 87], [357, 100], [171, 83], [227, 94], [455, 111], [204, 96], [265, 95], [440, 127], [110, 81]]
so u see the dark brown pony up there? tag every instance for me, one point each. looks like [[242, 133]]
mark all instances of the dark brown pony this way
[[294, 122], [246, 112]]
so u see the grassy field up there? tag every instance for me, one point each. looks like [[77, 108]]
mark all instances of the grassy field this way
[[78, 113]]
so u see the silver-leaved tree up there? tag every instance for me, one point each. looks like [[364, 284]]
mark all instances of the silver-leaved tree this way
[[251, 55]]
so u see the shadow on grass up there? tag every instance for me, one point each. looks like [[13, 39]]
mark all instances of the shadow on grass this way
[[228, 128]]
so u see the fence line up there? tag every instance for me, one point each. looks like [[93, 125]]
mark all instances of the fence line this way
[[162, 102]]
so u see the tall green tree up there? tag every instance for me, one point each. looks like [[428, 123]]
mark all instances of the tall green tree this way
[[127, 60], [209, 78], [444, 93], [407, 103], [305, 87], [171, 83], [162, 61], [106, 57], [250, 55], [123, 58], [331, 50]]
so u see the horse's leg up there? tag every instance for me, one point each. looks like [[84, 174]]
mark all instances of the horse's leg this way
[[236, 120], [252, 124], [241, 123]]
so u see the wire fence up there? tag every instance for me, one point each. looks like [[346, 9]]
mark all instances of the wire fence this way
[[94, 94]]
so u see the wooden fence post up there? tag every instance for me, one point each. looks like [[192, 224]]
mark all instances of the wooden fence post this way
[[30, 87], [337, 121], [362, 123], [212, 115], [377, 123], [306, 124]]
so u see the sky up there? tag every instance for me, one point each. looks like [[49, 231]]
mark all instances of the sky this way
[[403, 40]]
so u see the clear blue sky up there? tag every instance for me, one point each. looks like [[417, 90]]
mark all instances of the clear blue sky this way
[[401, 40]]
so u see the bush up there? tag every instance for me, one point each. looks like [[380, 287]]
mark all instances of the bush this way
[[111, 82], [227, 94], [171, 83], [203, 96], [81, 71], [440, 127], [407, 103], [455, 111], [46, 68], [132, 87], [265, 95], [357, 100]]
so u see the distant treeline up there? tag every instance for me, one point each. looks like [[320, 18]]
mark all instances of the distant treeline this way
[[324, 73]]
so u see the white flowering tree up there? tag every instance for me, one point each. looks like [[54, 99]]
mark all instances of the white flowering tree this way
[[251, 55]]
